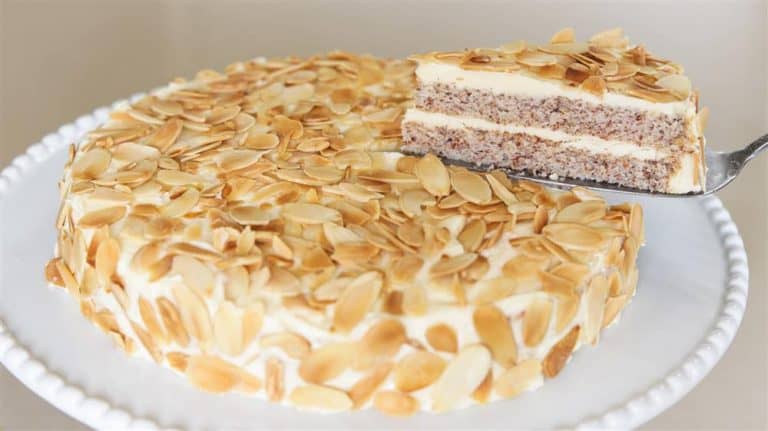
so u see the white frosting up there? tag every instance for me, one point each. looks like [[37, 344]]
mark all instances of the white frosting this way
[[519, 84], [592, 144], [682, 181]]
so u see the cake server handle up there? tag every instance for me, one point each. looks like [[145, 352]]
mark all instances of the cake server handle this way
[[723, 167]]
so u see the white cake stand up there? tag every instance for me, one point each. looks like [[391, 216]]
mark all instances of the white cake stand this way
[[690, 301]]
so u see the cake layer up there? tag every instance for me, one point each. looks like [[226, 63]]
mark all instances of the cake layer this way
[[586, 142], [525, 151], [556, 112]]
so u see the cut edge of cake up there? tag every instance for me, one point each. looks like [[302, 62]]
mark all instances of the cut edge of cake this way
[[603, 110]]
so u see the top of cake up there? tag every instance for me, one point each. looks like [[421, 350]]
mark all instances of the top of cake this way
[[606, 63]]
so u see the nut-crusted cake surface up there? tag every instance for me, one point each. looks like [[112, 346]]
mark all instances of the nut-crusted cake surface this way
[[247, 230], [600, 101]]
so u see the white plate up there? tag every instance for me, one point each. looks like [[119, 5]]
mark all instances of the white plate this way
[[689, 303]]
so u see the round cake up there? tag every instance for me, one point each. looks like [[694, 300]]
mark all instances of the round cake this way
[[257, 231]]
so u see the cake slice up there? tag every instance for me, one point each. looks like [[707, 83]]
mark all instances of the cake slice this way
[[603, 110]]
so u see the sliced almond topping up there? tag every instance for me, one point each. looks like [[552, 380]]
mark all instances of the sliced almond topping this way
[[597, 292], [250, 215], [563, 36], [442, 337], [326, 362], [364, 388], [382, 341], [566, 310], [320, 398], [182, 204], [294, 345], [194, 315], [461, 377], [148, 316], [310, 213], [102, 217], [575, 236], [274, 375], [433, 175], [166, 135], [471, 186], [536, 321], [171, 318], [582, 212], [517, 379], [450, 265], [177, 360], [472, 235], [91, 164], [536, 59], [559, 353], [395, 403], [417, 370], [196, 275], [107, 255], [356, 301], [495, 331], [228, 329], [212, 374], [679, 85], [594, 85]]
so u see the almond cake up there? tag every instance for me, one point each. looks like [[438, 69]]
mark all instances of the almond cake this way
[[257, 231], [602, 110]]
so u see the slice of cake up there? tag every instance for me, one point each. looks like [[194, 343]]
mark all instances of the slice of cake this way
[[603, 110]]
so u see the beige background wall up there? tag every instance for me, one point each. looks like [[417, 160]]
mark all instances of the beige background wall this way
[[60, 59]]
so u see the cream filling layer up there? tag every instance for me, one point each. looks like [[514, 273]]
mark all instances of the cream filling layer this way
[[590, 144], [519, 84]]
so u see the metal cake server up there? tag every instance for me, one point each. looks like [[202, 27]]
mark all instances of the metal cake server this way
[[722, 168]]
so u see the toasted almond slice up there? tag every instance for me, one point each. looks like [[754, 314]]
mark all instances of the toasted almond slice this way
[[130, 152], [91, 164], [178, 178], [417, 370], [596, 294], [194, 315], [565, 35], [362, 390], [336, 234], [102, 217], [595, 85], [182, 204], [575, 236], [232, 160], [433, 175], [636, 227], [177, 360], [536, 321], [310, 213], [414, 300], [559, 353], [320, 398], [292, 344], [196, 274], [327, 174], [461, 377], [148, 316], [395, 403], [471, 186], [472, 235], [582, 212], [536, 59], [166, 135], [412, 200], [327, 362], [495, 331], [382, 341], [356, 301], [442, 337], [453, 264], [253, 317], [212, 374], [679, 85], [513, 47], [146, 340], [107, 255], [517, 379], [250, 215], [567, 307], [171, 318], [274, 379], [228, 329], [483, 392]]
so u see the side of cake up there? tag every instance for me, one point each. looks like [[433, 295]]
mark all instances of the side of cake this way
[[245, 230], [603, 110]]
